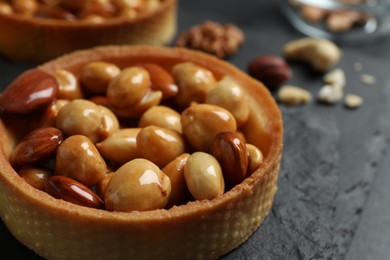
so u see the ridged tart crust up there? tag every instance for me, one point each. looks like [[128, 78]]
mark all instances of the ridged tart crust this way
[[206, 229], [34, 39]]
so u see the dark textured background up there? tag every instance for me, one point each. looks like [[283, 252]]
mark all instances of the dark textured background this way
[[333, 198]]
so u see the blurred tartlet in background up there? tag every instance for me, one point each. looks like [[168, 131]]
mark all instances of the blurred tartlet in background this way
[[39, 30]]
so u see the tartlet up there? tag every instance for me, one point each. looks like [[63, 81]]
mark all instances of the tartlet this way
[[203, 229], [29, 38]]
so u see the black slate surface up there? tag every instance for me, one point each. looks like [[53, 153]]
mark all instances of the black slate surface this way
[[333, 199]]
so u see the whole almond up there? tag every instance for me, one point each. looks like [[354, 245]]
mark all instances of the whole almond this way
[[61, 187], [29, 92], [271, 70], [36, 146], [232, 155], [161, 80]]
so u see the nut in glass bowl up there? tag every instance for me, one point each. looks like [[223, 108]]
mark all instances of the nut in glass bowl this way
[[344, 21], [123, 187]]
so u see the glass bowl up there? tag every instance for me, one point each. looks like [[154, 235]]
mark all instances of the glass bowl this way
[[344, 21]]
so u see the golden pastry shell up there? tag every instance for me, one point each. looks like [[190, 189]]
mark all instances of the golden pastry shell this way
[[205, 229]]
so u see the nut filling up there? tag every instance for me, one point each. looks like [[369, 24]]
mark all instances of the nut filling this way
[[144, 137], [91, 11]]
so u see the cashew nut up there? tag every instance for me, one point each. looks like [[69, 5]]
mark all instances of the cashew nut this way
[[321, 54]]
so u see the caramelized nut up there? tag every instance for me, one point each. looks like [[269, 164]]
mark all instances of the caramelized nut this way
[[102, 185], [78, 158], [203, 176], [232, 155], [161, 80], [96, 75], [109, 122], [202, 122], [49, 116], [175, 171], [36, 146], [61, 187], [129, 87], [229, 95], [161, 116], [29, 92], [81, 117], [151, 98], [193, 81], [255, 158], [159, 145], [68, 86], [136, 186], [36, 177], [121, 146]]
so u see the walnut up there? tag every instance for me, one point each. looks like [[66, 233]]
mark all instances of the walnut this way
[[217, 39]]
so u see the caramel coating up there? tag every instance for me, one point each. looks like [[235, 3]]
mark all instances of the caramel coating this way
[[36, 177], [203, 175], [229, 95], [121, 146], [151, 98], [68, 85], [137, 185], [159, 145], [109, 122], [193, 81], [175, 171], [96, 75], [49, 117], [202, 122], [82, 117], [129, 87], [255, 158], [162, 116], [78, 158]]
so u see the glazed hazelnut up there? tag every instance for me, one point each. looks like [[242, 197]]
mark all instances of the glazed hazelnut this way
[[102, 185], [175, 171], [96, 75], [255, 158], [36, 177], [159, 145], [151, 98], [202, 122], [78, 158], [136, 186], [203, 175], [68, 86], [121, 146], [161, 116], [193, 81], [129, 87], [109, 122], [229, 95], [82, 117], [49, 117]]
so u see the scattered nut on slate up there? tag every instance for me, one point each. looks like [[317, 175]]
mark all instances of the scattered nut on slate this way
[[353, 101], [273, 71], [293, 95], [320, 54]]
